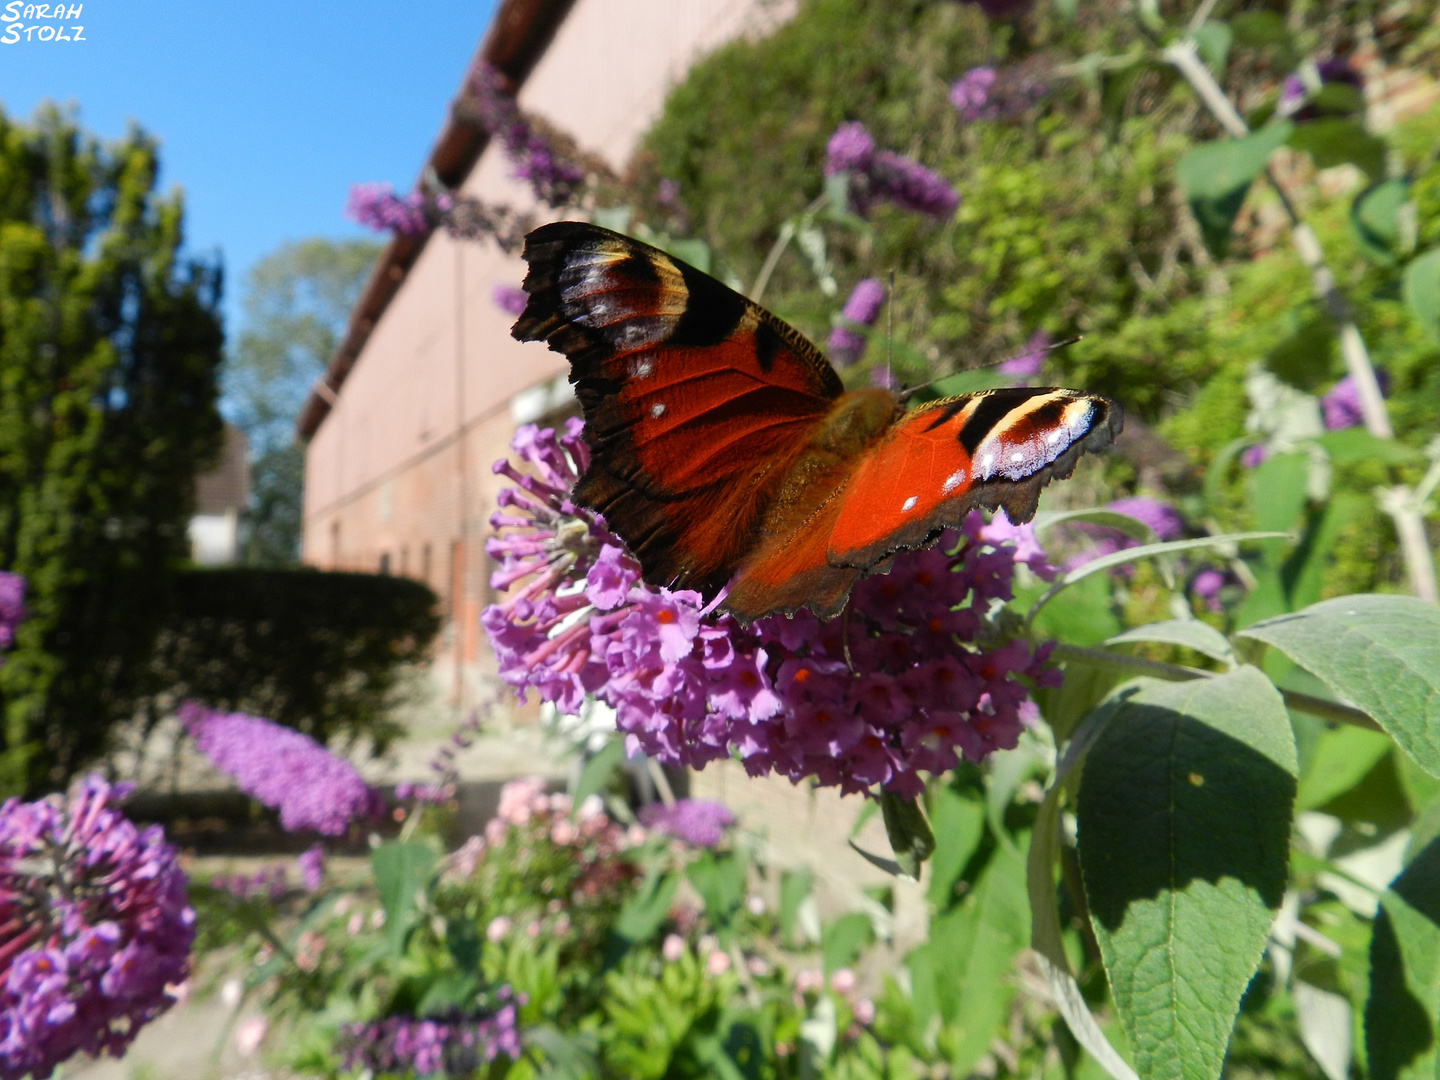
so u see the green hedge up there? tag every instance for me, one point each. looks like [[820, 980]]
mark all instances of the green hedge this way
[[317, 651]]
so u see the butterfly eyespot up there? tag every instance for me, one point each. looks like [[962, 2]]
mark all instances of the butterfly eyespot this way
[[909, 504], [665, 617]]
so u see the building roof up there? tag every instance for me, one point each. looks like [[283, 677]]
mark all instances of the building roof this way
[[518, 37], [226, 487]]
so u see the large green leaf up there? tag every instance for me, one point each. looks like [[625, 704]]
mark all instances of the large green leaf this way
[[1184, 825], [1380, 652], [401, 871], [1422, 291], [1190, 633], [1216, 177], [1401, 1015], [596, 772], [1375, 215], [1341, 759], [720, 881], [959, 826]]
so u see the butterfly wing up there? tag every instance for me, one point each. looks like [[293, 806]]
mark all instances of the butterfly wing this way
[[697, 401], [993, 449]]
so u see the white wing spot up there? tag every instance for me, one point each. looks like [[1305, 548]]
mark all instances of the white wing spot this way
[[910, 503], [1018, 455], [657, 410], [1055, 436], [954, 480], [641, 367], [985, 463]]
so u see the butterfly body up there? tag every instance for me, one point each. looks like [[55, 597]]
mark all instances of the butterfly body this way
[[726, 451]]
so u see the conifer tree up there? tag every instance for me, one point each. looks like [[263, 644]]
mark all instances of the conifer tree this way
[[110, 344]]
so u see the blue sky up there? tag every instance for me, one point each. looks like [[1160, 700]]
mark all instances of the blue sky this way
[[266, 111]]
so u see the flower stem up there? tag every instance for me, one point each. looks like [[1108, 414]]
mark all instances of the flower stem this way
[[1405, 512]]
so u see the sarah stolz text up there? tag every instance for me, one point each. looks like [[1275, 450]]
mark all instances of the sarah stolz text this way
[[40, 22]]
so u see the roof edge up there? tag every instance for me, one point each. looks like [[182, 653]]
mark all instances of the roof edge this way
[[518, 37]]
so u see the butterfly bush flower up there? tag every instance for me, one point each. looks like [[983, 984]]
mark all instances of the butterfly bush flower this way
[[1027, 364], [914, 677], [94, 926], [376, 206], [882, 175], [453, 1045], [554, 180], [1340, 405], [971, 92], [284, 769], [846, 343], [1294, 94], [697, 822], [12, 607], [509, 299], [987, 93]]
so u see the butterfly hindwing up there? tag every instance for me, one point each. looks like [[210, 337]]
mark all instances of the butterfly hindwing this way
[[696, 400], [992, 449]]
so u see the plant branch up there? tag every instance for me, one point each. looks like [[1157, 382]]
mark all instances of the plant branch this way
[[1138, 665], [1399, 503]]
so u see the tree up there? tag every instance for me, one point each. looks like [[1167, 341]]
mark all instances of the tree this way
[[110, 345], [296, 302]]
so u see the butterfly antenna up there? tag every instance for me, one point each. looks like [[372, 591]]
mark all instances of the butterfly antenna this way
[[908, 391]]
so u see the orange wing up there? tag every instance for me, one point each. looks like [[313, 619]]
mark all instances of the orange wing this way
[[697, 401], [977, 451]]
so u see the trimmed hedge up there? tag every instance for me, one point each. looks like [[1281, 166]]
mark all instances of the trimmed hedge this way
[[317, 651]]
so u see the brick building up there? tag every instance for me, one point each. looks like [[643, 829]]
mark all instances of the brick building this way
[[427, 387]]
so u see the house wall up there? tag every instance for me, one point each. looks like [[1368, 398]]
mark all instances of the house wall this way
[[398, 476]]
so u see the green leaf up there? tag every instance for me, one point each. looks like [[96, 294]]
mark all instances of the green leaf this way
[[1339, 141], [1217, 176], [1277, 493], [972, 949], [1341, 759], [720, 881], [647, 907], [1262, 29], [842, 940], [1401, 1015], [1145, 551], [1382, 653], [1082, 615], [1302, 360], [450, 991], [1184, 826], [1190, 633], [1421, 290], [1375, 217], [959, 825], [596, 772], [910, 836], [795, 887], [401, 871], [1213, 41], [1134, 528], [567, 1056], [1356, 444]]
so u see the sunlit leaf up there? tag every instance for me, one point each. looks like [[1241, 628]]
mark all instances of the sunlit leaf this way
[[1401, 1016], [1190, 633], [1184, 826]]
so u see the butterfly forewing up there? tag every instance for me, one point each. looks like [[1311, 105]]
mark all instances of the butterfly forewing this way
[[696, 400]]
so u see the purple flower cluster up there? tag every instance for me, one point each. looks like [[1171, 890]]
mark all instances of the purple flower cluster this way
[[697, 822], [509, 299], [881, 175], [94, 926], [1027, 364], [376, 206], [453, 1045], [554, 180], [269, 882], [1340, 405], [846, 344], [985, 93], [900, 685], [1294, 94], [282, 768], [12, 606]]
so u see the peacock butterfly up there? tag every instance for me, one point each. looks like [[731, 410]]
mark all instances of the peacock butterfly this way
[[725, 451]]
